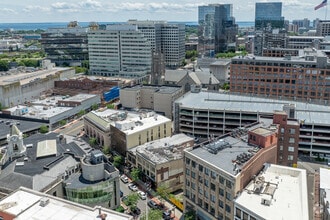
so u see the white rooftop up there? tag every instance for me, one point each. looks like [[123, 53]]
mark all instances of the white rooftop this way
[[289, 189], [325, 184], [26, 204], [46, 148], [128, 122]]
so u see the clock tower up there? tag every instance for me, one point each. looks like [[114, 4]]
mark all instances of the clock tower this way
[[15, 147]]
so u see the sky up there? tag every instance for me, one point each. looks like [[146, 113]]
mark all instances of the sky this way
[[24, 11]]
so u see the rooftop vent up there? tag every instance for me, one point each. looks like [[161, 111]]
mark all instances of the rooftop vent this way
[[44, 201]]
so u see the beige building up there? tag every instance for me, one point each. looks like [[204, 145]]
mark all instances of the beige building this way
[[18, 86], [122, 130], [156, 98], [161, 161]]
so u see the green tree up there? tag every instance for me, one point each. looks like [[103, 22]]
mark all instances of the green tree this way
[[153, 214], [190, 215], [4, 66], [135, 174], [43, 129], [226, 86], [95, 106], [106, 150], [81, 113], [163, 191], [92, 141], [117, 161], [120, 209], [132, 200], [110, 106], [62, 122]]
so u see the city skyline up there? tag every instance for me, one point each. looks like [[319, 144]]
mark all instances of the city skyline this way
[[20, 11]]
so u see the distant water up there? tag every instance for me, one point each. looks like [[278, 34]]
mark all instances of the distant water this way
[[45, 26]]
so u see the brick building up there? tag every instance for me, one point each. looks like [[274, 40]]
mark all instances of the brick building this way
[[303, 78]]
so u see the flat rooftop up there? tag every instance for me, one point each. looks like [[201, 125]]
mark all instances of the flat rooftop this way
[[25, 77], [27, 204], [310, 113], [165, 149], [227, 149], [127, 122], [158, 89], [283, 189]]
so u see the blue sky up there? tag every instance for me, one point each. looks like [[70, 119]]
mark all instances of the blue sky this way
[[15, 11]]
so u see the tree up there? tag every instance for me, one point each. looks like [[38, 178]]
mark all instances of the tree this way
[[92, 141], [190, 215], [132, 200], [81, 113], [62, 122], [95, 106], [4, 66], [110, 106], [117, 161], [43, 129], [226, 86], [163, 191], [135, 174], [106, 150], [153, 214]]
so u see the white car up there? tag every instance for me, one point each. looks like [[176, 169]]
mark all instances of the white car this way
[[142, 195], [132, 187], [124, 178]]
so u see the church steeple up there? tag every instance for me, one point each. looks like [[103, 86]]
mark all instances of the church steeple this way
[[15, 147]]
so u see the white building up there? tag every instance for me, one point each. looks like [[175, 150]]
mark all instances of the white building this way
[[325, 192], [119, 51], [28, 204], [278, 192]]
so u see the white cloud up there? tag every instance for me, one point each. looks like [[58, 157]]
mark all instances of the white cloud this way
[[31, 8]]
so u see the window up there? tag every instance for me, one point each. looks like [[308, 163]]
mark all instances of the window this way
[[206, 182], [200, 167], [228, 184], [212, 197], [193, 185], [193, 164], [200, 190], [221, 204], [291, 149], [206, 194], [238, 213], [200, 179], [187, 172], [282, 130], [292, 131], [221, 192], [206, 171], [187, 182], [221, 180], [291, 140], [212, 187], [290, 157], [193, 175], [213, 175], [187, 161], [228, 209], [228, 196], [245, 216], [281, 147]]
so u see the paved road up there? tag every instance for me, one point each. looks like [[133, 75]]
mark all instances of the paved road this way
[[72, 128]]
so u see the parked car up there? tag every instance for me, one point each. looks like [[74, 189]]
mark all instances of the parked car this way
[[167, 215], [124, 178], [135, 211], [142, 195], [121, 194], [152, 204], [132, 187]]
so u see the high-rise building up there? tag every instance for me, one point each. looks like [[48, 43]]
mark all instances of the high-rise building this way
[[323, 28], [268, 15], [217, 28], [66, 46], [165, 38], [119, 51]]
